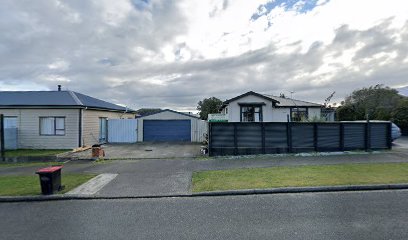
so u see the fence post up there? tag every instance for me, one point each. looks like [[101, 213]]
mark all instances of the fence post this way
[[289, 135], [341, 137], [367, 136], [209, 139], [2, 137], [315, 137], [263, 137], [235, 140]]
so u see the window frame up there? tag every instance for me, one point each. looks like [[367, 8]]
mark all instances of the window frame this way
[[55, 126], [304, 110], [260, 113]]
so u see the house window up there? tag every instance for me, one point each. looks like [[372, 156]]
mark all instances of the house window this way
[[299, 114], [251, 114], [52, 126], [226, 110]]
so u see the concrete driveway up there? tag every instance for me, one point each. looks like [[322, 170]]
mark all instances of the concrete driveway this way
[[147, 150], [401, 143]]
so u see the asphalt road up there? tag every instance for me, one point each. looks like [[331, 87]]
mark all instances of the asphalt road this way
[[342, 215]]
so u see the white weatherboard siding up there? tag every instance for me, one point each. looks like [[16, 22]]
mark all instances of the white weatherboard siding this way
[[234, 109], [269, 113], [28, 124], [198, 127], [314, 113], [90, 124], [280, 114]]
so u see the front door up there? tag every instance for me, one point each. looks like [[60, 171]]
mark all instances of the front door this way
[[103, 123]]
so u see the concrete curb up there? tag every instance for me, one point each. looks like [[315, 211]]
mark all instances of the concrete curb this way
[[212, 194]]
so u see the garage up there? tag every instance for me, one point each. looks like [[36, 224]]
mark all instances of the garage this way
[[171, 126], [167, 130]]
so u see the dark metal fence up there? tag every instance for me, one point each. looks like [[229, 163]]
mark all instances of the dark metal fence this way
[[273, 137], [1, 136]]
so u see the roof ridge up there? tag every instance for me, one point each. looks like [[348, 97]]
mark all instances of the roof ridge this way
[[291, 99], [75, 97]]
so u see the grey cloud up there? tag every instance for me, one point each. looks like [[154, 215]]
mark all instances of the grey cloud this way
[[102, 60]]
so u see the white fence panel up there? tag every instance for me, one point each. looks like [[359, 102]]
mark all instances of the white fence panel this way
[[200, 129], [122, 130]]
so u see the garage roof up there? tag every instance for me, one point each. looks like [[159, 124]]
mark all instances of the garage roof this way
[[169, 110]]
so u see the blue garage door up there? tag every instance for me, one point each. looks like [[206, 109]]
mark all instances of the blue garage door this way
[[167, 130]]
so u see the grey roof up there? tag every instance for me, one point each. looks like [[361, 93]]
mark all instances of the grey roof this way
[[168, 110], [289, 102], [54, 99]]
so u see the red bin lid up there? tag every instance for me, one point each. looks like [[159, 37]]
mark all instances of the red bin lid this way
[[49, 169]]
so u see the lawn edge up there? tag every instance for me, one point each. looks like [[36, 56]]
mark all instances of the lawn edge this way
[[343, 188]]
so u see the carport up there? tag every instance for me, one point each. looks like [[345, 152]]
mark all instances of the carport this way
[[171, 126]]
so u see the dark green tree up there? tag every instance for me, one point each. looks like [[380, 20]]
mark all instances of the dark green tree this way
[[208, 106], [376, 101], [400, 115]]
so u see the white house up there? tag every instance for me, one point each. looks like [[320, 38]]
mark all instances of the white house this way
[[255, 107], [58, 119]]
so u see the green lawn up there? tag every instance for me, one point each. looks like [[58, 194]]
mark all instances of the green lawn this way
[[298, 176], [33, 152], [30, 164], [30, 185]]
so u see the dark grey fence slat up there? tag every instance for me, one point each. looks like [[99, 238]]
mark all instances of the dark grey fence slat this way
[[328, 137], [354, 136], [302, 137], [258, 138], [379, 136]]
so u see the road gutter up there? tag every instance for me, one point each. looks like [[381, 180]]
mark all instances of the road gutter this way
[[352, 188]]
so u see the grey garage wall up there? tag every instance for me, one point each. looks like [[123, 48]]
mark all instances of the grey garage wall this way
[[198, 127]]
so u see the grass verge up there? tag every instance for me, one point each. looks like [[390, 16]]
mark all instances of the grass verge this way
[[30, 185], [301, 176], [33, 152], [30, 164]]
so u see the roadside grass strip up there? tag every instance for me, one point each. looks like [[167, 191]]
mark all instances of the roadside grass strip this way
[[30, 185], [33, 152], [30, 164], [300, 176]]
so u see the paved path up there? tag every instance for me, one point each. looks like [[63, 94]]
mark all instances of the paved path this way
[[342, 215]]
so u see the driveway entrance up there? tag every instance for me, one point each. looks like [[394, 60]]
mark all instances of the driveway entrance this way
[[147, 150]]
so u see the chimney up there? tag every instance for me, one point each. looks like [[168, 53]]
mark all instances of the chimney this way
[[59, 88]]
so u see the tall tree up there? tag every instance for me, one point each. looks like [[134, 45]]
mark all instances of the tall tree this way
[[376, 101], [400, 115], [208, 106]]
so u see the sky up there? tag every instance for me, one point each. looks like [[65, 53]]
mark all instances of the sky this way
[[174, 53]]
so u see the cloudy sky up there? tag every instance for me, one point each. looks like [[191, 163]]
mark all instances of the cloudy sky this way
[[173, 53]]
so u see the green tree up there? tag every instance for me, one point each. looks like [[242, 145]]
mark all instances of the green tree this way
[[346, 113], [400, 114], [376, 101], [208, 106]]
